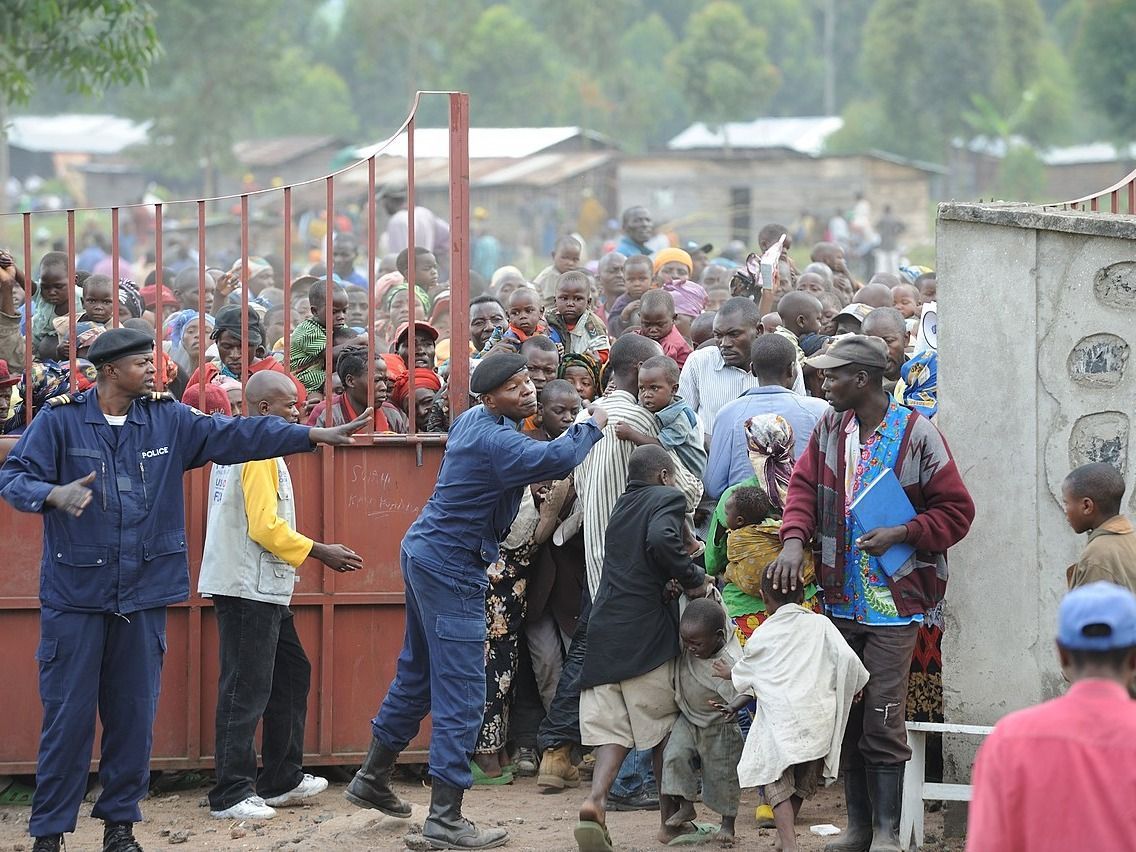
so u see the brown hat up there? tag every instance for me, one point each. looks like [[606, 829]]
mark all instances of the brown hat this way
[[852, 349]]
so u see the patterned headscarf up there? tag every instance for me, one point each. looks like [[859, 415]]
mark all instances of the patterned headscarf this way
[[129, 297], [419, 294], [588, 362], [910, 273], [176, 323], [769, 439]]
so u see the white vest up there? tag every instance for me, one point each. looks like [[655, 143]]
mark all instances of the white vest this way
[[233, 564]]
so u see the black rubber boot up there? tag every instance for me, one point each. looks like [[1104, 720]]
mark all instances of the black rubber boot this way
[[885, 786], [446, 828], [48, 843], [858, 836], [119, 837], [370, 788]]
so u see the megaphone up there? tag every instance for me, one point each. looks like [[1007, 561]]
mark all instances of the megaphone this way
[[928, 338]]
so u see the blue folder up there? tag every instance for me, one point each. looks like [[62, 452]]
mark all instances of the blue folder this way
[[883, 504]]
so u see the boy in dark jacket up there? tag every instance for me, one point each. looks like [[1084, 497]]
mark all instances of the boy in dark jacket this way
[[627, 697]]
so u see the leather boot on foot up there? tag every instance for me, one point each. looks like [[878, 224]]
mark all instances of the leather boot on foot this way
[[370, 788], [446, 828], [557, 770], [885, 787], [857, 837], [119, 837], [48, 843]]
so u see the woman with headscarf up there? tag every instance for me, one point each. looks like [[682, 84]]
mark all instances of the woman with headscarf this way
[[426, 384], [583, 371], [48, 380], [129, 301], [769, 438], [183, 333], [395, 305]]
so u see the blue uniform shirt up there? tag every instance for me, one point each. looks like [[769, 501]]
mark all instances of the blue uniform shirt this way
[[127, 551], [487, 465]]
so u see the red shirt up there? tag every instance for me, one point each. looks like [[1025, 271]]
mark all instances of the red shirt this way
[[675, 346], [1059, 776]]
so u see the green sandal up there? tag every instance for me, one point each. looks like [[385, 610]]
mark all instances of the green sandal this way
[[480, 779], [592, 837]]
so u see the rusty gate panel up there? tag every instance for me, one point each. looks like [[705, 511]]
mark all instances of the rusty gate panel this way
[[363, 496]]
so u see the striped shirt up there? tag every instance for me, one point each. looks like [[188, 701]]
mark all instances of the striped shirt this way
[[707, 384], [308, 343], [602, 477]]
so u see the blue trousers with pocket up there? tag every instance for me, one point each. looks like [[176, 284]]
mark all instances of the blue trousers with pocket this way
[[96, 663], [441, 669]]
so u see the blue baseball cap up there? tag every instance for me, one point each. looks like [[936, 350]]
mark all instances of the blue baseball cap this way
[[1097, 617]]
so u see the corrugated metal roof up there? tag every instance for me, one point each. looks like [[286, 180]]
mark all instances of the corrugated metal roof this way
[[805, 134], [274, 152], [75, 133], [484, 142]]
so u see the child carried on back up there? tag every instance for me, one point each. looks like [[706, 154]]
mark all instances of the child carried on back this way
[[805, 678]]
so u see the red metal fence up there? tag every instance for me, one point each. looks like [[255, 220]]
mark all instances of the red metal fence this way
[[1124, 188], [364, 496]]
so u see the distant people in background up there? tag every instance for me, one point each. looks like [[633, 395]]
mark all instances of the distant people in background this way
[[344, 251], [889, 228], [486, 248], [699, 258], [638, 271], [430, 232], [565, 257], [610, 274], [637, 230], [831, 254], [186, 290]]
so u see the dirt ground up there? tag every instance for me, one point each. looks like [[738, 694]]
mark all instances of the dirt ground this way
[[535, 822]]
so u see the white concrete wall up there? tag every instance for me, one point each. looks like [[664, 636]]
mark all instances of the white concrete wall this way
[[1020, 290]]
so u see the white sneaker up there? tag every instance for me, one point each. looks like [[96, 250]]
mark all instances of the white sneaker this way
[[251, 808], [310, 785]]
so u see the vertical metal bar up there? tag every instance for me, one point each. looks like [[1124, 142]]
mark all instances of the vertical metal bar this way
[[460, 252], [329, 294], [1132, 197], [72, 314], [372, 250], [202, 336], [246, 362], [114, 266], [287, 273], [28, 310], [159, 307], [411, 287], [1114, 201], [1094, 203]]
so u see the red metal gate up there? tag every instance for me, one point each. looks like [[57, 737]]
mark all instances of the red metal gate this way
[[364, 496]]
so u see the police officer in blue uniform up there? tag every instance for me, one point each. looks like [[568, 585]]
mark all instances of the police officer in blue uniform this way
[[441, 670], [104, 468]]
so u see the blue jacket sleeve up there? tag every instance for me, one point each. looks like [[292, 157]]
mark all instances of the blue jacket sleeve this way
[[31, 470], [234, 440], [527, 461]]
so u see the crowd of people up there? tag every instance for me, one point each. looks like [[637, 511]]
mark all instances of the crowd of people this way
[[676, 445]]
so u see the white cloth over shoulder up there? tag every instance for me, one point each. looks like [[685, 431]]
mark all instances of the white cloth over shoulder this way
[[804, 676]]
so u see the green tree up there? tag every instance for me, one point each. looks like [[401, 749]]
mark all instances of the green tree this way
[[221, 59], [723, 65], [318, 101], [87, 44], [506, 68], [795, 49], [1103, 57]]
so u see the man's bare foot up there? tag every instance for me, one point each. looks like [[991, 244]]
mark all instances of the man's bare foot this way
[[490, 764], [667, 833], [593, 811], [685, 813], [725, 838]]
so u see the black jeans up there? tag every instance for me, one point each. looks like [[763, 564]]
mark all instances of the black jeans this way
[[562, 724], [264, 673]]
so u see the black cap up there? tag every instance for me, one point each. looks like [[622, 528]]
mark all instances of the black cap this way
[[118, 343], [229, 319], [494, 370]]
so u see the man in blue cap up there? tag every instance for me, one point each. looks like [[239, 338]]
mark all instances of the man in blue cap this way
[[1060, 775], [104, 468], [441, 669]]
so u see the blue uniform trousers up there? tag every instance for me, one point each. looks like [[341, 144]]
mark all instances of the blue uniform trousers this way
[[441, 669], [92, 662]]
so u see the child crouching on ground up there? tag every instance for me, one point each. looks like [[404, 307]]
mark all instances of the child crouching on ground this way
[[701, 736], [805, 678]]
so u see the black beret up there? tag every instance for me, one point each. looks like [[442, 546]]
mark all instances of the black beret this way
[[118, 343], [494, 370], [229, 319]]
